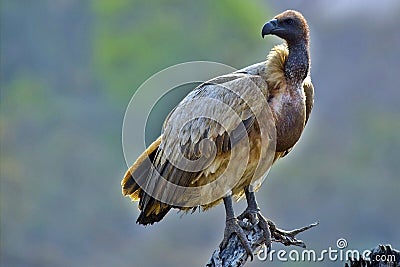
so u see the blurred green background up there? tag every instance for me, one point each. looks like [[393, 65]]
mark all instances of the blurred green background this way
[[69, 69]]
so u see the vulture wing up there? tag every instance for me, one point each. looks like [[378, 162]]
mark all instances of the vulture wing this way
[[197, 137], [220, 111]]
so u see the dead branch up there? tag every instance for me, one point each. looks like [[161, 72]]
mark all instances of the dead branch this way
[[234, 254]]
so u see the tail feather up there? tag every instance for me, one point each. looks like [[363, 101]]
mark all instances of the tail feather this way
[[139, 170], [152, 211]]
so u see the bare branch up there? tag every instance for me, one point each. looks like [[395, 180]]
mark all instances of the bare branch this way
[[234, 253]]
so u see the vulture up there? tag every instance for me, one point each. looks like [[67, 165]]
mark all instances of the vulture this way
[[220, 141]]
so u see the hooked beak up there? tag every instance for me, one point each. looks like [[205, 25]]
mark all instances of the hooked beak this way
[[269, 27]]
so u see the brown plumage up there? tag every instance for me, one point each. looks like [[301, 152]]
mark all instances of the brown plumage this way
[[287, 90]]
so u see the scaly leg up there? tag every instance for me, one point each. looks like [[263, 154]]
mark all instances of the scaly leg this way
[[253, 214], [232, 227]]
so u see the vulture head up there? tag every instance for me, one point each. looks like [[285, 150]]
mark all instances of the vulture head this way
[[289, 25]]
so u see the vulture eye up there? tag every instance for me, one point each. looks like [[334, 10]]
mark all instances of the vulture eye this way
[[289, 21]]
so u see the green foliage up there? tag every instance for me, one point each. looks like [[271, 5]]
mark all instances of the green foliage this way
[[132, 41]]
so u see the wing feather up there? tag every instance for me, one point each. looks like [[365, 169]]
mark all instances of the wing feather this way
[[200, 116]]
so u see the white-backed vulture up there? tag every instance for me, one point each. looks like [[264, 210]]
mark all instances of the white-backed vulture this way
[[284, 100]]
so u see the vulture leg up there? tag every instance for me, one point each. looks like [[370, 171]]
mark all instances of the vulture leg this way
[[253, 214], [232, 226]]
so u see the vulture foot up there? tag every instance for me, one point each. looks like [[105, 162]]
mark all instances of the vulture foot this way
[[255, 217], [234, 226]]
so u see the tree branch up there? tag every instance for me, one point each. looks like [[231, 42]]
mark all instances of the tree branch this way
[[234, 254]]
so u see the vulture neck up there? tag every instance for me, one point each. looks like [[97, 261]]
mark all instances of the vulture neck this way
[[298, 61]]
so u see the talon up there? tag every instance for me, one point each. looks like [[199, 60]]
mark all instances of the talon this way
[[233, 227], [255, 217], [269, 248], [250, 215], [266, 231]]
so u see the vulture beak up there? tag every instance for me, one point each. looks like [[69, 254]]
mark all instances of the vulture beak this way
[[269, 27]]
